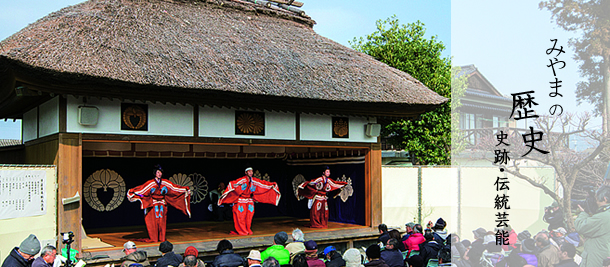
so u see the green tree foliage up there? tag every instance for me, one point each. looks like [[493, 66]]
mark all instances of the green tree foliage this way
[[404, 47], [590, 19]]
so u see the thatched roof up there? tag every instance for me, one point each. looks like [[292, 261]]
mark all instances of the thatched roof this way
[[223, 52]]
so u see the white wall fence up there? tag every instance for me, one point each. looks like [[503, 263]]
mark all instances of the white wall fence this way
[[28, 196], [463, 196]]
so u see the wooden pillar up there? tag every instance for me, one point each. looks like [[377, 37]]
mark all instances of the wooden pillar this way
[[69, 181], [373, 184]]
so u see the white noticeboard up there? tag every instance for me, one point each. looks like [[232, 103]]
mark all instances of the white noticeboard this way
[[26, 206], [22, 193]]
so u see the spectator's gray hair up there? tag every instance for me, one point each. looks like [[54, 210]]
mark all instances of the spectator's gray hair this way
[[393, 242], [47, 250], [543, 238], [271, 262], [603, 192], [190, 261], [297, 235]]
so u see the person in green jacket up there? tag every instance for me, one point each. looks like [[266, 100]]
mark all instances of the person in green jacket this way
[[277, 250], [596, 230]]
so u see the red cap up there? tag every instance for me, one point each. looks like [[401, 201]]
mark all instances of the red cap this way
[[191, 251]]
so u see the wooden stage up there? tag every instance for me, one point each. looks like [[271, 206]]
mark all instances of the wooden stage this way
[[205, 236]]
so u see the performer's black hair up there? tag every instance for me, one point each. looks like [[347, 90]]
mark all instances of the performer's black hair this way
[[325, 168], [157, 168]]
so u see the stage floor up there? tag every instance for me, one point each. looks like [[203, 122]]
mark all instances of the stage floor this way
[[205, 236]]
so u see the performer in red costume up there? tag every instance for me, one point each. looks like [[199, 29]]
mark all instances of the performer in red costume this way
[[317, 190], [244, 192], [154, 195]]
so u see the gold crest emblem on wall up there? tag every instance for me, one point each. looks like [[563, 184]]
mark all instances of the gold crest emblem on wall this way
[[340, 127], [249, 123], [134, 117]]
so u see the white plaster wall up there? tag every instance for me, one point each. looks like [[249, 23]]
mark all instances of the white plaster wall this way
[[319, 128], [440, 194], [220, 122], [175, 120], [49, 117], [29, 125], [109, 120], [399, 195]]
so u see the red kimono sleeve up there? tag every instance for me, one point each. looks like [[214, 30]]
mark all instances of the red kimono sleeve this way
[[232, 192], [308, 189], [265, 192], [177, 196], [332, 187], [142, 193]]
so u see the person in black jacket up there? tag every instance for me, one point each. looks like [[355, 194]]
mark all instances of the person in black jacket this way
[[373, 254], [391, 255], [566, 256], [429, 249], [23, 256], [333, 257], [385, 235], [553, 215], [227, 257], [168, 258]]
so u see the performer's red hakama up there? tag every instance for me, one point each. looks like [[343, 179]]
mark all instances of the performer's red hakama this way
[[154, 197], [243, 192], [317, 190]]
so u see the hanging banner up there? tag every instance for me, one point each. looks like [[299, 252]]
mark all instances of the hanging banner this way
[[22, 193]]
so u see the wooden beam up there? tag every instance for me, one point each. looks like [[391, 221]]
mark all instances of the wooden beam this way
[[63, 113], [374, 164], [368, 191], [69, 180], [217, 141]]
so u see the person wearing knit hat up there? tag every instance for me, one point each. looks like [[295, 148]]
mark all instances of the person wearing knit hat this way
[[168, 258], [353, 258], [30, 245], [373, 253], [440, 235], [23, 255], [311, 251], [529, 251], [190, 258], [227, 257], [277, 250], [242, 193]]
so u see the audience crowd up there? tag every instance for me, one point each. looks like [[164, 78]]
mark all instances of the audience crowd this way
[[587, 244]]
